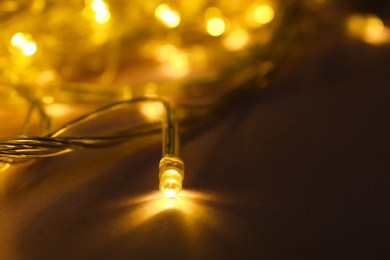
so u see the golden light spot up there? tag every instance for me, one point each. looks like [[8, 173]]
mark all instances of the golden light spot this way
[[198, 56], [176, 61], [152, 110], [171, 174], [9, 6], [212, 12], [373, 29], [151, 89], [57, 110], [263, 14], [48, 99], [170, 182], [215, 26], [98, 6], [46, 77], [37, 6], [24, 43], [368, 28], [4, 166], [102, 17], [165, 52], [355, 24], [99, 36], [236, 40], [97, 10], [29, 48], [19, 39], [179, 61], [167, 16], [198, 209]]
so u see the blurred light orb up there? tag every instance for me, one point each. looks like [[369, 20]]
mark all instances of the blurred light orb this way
[[167, 16], [368, 28], [215, 26], [373, 27], [138, 42], [102, 17], [24, 42], [236, 40], [263, 14]]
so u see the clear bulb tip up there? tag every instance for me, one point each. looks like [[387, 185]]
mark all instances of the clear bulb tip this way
[[171, 175]]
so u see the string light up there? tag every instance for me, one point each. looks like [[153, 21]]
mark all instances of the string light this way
[[134, 53], [202, 56]]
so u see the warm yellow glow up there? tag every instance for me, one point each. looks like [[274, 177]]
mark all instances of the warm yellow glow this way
[[24, 42], [236, 40], [373, 30], [170, 182], [57, 110], [46, 77], [4, 166], [97, 10], [263, 14], [102, 17], [29, 48], [165, 52], [198, 56], [167, 16], [18, 39], [9, 6], [171, 175], [368, 28], [48, 99], [152, 110], [215, 26], [179, 61], [212, 12], [355, 24], [98, 6], [198, 210]]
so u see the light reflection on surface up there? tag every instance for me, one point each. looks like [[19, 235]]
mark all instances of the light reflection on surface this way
[[198, 210]]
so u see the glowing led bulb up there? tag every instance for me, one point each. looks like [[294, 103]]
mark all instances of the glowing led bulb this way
[[215, 26], [171, 175], [236, 40], [167, 16], [260, 15], [97, 10], [102, 17], [24, 42], [263, 14], [98, 6], [373, 29], [368, 28]]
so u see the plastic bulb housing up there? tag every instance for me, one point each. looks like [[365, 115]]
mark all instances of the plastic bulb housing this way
[[171, 175]]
